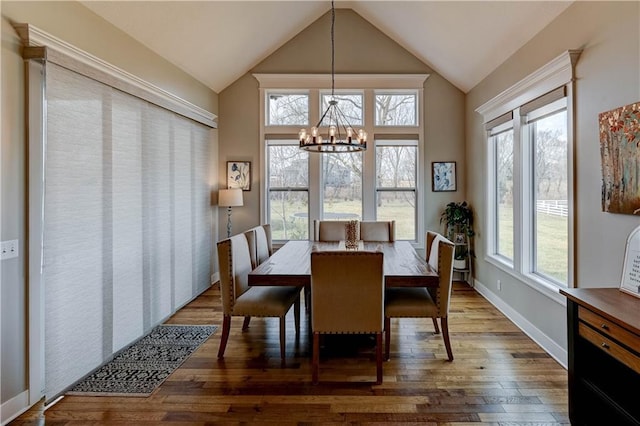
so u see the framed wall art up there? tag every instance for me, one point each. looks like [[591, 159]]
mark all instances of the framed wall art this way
[[239, 175], [619, 142], [443, 176]]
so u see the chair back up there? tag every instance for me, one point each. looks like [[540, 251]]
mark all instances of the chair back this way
[[234, 260], [331, 230], [432, 244], [446, 251], [347, 291], [259, 239], [378, 231]]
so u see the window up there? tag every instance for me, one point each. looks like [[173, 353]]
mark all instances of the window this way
[[529, 217], [396, 109], [349, 103], [381, 183], [501, 144], [288, 108], [288, 171], [396, 171], [547, 131], [342, 186]]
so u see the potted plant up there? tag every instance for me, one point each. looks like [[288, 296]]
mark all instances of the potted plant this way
[[458, 218]]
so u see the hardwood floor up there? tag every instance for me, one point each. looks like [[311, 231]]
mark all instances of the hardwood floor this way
[[499, 377]]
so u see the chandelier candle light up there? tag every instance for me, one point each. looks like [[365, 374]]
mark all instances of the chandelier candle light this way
[[341, 137]]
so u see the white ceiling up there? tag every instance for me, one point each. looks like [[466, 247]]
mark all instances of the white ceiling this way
[[218, 41]]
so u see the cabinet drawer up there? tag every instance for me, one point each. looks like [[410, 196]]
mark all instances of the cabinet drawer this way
[[609, 329], [607, 345]]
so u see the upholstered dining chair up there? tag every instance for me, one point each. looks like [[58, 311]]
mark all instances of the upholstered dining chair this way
[[419, 302], [331, 230], [260, 244], [347, 297], [378, 230], [238, 299]]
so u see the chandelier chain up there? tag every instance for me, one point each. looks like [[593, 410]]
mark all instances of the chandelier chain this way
[[333, 20], [341, 137]]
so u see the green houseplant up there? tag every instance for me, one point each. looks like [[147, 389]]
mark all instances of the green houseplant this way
[[458, 219]]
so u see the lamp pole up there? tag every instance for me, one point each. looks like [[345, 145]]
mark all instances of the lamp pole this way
[[228, 221]]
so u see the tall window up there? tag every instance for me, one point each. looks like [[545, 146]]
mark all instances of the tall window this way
[[381, 183], [288, 171], [342, 186], [530, 180], [396, 171], [501, 144], [547, 131]]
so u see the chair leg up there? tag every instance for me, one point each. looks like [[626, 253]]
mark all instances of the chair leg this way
[[283, 338], [245, 323], [307, 299], [316, 358], [378, 358], [387, 337], [226, 325], [445, 336], [296, 314], [435, 325]]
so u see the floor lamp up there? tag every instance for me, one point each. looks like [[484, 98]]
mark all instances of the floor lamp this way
[[230, 198]]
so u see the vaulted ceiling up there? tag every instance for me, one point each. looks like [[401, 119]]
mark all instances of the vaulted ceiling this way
[[218, 41]]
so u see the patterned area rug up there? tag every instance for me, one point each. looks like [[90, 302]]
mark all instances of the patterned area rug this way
[[140, 368]]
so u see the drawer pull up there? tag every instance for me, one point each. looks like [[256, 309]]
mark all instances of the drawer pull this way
[[604, 345], [604, 326]]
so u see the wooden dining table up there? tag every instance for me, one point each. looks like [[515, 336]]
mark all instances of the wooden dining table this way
[[291, 264]]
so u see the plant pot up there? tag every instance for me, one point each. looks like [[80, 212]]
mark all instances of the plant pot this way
[[460, 263]]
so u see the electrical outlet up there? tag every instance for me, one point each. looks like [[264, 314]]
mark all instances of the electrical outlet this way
[[8, 249], [499, 285]]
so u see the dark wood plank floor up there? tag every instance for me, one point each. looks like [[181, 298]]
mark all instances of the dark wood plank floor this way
[[499, 377]]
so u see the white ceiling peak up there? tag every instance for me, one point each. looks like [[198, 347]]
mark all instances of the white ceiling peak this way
[[219, 41]]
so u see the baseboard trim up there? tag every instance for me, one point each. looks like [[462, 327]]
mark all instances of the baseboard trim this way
[[551, 347], [12, 408]]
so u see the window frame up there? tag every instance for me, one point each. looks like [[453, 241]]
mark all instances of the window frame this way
[[411, 142], [286, 93], [493, 213], [555, 75], [282, 189], [367, 84], [529, 125], [397, 93]]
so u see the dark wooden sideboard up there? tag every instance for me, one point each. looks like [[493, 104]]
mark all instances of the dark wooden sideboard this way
[[604, 356]]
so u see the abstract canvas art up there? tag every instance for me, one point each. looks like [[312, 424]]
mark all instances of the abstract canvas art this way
[[620, 153]]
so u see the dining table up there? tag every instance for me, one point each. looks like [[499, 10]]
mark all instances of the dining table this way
[[290, 265]]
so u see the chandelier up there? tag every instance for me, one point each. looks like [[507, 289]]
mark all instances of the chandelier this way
[[339, 136]]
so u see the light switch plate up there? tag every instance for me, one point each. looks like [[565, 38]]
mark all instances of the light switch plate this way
[[8, 249]]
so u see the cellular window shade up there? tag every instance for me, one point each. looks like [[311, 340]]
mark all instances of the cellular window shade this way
[[543, 100], [126, 238], [498, 121]]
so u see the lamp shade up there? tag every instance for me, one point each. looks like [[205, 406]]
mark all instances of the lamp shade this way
[[230, 197]]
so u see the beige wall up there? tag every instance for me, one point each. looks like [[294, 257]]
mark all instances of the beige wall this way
[[359, 48], [75, 24], [608, 76]]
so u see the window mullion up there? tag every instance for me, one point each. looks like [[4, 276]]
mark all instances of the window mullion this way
[[315, 168], [522, 197], [369, 160]]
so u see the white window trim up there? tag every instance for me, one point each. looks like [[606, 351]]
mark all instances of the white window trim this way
[[368, 83], [558, 72]]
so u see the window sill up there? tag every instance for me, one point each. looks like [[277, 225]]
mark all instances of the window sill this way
[[546, 288]]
